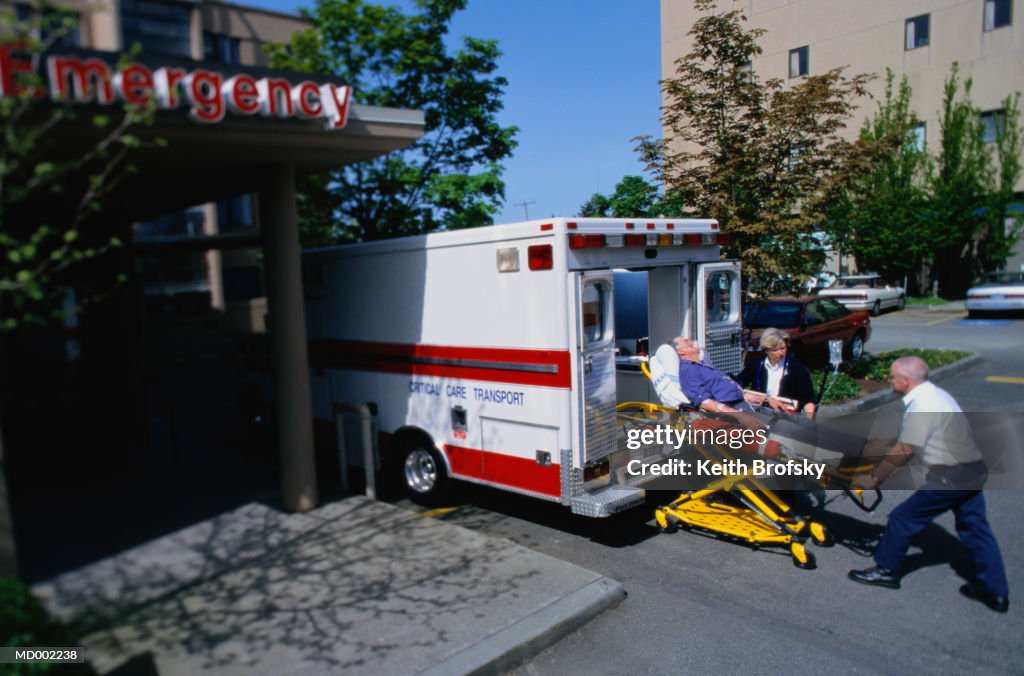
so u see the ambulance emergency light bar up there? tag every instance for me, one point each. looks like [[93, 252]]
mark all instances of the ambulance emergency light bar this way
[[670, 237], [541, 257]]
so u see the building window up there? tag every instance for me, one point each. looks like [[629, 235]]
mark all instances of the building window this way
[[798, 61], [917, 136], [236, 214], [993, 123], [222, 48], [746, 71], [796, 157], [43, 24], [998, 13], [916, 32], [159, 27]]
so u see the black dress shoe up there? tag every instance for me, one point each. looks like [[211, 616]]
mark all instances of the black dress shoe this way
[[876, 576], [1000, 604]]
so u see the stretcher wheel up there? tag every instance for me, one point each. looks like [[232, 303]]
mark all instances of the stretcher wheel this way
[[801, 557], [821, 536], [666, 523]]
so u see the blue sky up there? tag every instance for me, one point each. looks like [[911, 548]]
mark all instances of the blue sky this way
[[582, 82]]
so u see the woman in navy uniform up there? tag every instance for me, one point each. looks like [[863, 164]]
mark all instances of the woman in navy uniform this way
[[777, 373]]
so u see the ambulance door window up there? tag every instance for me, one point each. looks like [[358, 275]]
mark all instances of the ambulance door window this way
[[719, 301], [595, 320]]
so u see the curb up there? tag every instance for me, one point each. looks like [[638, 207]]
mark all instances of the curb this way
[[884, 397], [503, 651], [951, 307]]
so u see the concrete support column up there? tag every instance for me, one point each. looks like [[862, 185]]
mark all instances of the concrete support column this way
[[214, 259], [287, 333]]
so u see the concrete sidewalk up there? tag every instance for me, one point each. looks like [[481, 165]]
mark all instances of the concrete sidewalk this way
[[354, 587]]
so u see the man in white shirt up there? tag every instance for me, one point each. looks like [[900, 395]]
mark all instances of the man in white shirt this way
[[936, 430]]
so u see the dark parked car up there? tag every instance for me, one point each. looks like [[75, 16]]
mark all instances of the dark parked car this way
[[810, 321]]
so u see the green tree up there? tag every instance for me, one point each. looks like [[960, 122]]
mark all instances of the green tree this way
[[49, 201], [50, 197], [1005, 219], [751, 154], [633, 197], [959, 185], [876, 204], [451, 178], [899, 209]]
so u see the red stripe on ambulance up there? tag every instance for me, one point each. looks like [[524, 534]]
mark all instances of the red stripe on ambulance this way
[[506, 470], [544, 368]]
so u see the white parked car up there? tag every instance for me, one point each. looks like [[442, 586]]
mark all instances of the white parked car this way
[[997, 292], [866, 292]]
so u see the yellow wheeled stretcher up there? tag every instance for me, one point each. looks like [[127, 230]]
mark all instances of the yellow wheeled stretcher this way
[[739, 506], [736, 506]]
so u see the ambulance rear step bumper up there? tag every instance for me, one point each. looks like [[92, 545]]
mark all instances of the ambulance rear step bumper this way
[[607, 501]]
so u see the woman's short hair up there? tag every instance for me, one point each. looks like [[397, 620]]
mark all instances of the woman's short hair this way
[[772, 338]]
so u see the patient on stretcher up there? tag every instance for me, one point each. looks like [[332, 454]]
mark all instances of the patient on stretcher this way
[[792, 436]]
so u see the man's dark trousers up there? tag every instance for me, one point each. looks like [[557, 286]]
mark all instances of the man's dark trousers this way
[[910, 517]]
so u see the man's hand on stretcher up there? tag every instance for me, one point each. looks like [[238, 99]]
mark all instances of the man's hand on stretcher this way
[[780, 404], [898, 455]]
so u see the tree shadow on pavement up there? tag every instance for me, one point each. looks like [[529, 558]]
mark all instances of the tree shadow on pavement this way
[[340, 588]]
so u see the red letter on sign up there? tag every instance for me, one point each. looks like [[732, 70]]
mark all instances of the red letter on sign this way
[[202, 89], [167, 80], [242, 96], [134, 85], [306, 98], [87, 76], [10, 68], [335, 100], [275, 97]]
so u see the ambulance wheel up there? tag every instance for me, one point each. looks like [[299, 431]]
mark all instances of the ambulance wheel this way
[[821, 536], [423, 475], [801, 557]]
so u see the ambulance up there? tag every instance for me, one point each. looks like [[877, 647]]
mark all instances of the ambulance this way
[[492, 355]]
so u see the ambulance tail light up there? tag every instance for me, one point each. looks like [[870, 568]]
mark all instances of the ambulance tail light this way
[[540, 257], [581, 241], [636, 240]]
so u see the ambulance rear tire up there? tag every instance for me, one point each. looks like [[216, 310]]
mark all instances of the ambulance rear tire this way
[[423, 475]]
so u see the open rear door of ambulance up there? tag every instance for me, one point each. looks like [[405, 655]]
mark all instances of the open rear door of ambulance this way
[[720, 313], [595, 354]]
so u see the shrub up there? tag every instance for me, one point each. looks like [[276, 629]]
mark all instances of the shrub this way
[[927, 300], [24, 623], [841, 388], [876, 367]]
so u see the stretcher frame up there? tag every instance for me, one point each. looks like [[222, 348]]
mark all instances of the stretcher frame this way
[[738, 507]]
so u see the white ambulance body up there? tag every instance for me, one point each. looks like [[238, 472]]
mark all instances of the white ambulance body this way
[[489, 354]]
